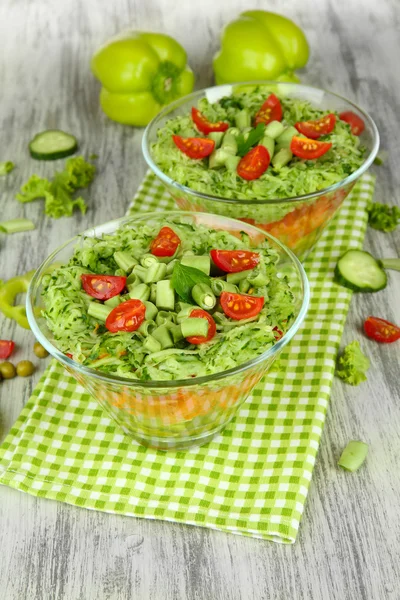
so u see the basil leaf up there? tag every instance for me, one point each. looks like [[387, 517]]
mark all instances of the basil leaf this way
[[184, 278], [255, 135]]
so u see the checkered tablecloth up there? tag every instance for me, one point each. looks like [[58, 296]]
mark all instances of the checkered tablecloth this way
[[253, 478]]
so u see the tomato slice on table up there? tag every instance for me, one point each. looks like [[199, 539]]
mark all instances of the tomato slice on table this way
[[308, 149], [194, 147], [254, 163], [204, 125], [6, 348], [234, 261], [127, 316], [271, 110], [314, 129], [240, 306], [103, 287], [166, 243], [199, 313], [356, 123], [381, 331]]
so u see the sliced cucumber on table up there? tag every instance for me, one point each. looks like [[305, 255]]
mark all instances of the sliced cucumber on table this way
[[52, 144], [360, 271]]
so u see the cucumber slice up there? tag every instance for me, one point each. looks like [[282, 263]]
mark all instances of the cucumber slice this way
[[359, 271], [52, 144]]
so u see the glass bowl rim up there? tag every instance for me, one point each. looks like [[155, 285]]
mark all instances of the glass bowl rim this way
[[243, 201], [66, 361]]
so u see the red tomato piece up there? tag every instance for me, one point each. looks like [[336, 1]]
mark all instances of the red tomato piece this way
[[103, 287], [69, 355], [314, 129], [271, 110], [240, 306], [204, 125], [127, 316], [234, 261], [381, 331], [254, 163], [194, 147], [278, 333], [356, 123], [6, 348], [166, 243], [308, 149], [212, 328]]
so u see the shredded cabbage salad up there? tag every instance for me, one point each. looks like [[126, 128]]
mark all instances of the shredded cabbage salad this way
[[297, 178], [124, 353]]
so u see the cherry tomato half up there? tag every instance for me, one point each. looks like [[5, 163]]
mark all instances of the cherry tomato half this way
[[381, 331], [271, 110], [240, 306], [254, 163], [356, 123], [212, 328], [127, 316], [103, 287], [204, 125], [314, 129], [166, 243], [194, 147], [308, 149], [6, 348], [234, 261]]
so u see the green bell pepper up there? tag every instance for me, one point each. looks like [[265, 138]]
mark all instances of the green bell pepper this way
[[140, 73], [260, 45], [9, 290]]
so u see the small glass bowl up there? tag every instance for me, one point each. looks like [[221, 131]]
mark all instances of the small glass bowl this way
[[305, 217], [171, 414]]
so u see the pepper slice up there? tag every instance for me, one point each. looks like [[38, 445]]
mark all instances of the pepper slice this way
[[356, 123], [381, 330], [103, 287], [234, 261], [127, 316], [308, 149], [166, 243], [314, 129], [254, 163], [271, 110], [194, 147], [8, 292], [6, 348], [212, 328], [241, 306], [204, 125]]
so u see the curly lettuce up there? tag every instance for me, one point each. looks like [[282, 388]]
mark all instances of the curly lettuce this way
[[353, 364]]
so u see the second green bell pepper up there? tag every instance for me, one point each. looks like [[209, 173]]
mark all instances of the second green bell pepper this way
[[260, 45], [140, 73]]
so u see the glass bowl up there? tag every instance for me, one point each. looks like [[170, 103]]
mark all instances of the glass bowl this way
[[181, 413], [299, 221]]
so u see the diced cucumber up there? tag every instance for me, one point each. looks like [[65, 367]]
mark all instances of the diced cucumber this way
[[233, 131], [269, 144], [217, 136], [274, 129], [359, 271], [125, 261], [243, 119], [232, 162], [218, 157], [281, 158], [283, 140], [229, 143], [99, 311], [113, 302], [52, 144]]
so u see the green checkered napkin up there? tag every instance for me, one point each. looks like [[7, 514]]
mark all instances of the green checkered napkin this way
[[253, 478]]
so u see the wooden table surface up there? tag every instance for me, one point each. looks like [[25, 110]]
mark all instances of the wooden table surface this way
[[349, 541]]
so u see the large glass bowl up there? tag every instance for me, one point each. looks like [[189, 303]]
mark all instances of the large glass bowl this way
[[181, 413], [298, 222]]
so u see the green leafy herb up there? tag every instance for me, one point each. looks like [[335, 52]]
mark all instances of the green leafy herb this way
[[383, 217], [255, 135], [230, 102], [58, 193], [6, 167], [353, 365], [184, 278]]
